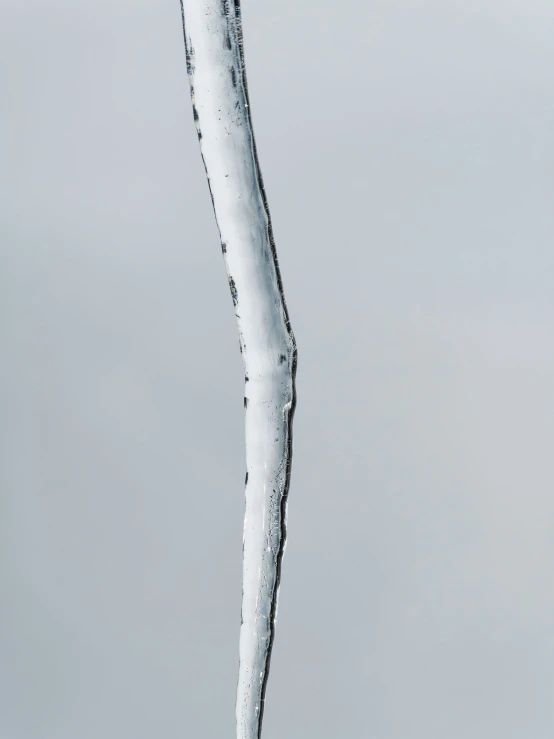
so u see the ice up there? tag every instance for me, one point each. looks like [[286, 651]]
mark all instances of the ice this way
[[215, 65]]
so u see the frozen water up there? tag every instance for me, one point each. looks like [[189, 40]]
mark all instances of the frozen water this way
[[215, 65]]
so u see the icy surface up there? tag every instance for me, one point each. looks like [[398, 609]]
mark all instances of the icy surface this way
[[215, 64]]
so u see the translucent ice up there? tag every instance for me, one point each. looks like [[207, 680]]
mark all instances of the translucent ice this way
[[215, 65]]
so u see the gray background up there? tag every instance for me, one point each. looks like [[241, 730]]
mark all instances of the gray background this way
[[408, 151]]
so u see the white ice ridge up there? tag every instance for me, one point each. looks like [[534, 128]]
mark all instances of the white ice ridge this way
[[215, 65]]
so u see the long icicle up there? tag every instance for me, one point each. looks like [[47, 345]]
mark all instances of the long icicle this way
[[215, 65]]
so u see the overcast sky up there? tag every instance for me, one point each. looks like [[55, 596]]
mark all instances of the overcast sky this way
[[407, 148]]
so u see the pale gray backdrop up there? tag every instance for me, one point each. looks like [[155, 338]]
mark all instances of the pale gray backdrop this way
[[408, 153]]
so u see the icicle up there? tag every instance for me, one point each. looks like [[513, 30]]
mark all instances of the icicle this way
[[215, 65]]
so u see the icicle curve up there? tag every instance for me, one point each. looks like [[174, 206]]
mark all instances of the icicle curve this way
[[215, 66]]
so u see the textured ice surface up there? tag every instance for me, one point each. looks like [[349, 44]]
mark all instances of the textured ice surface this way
[[215, 64]]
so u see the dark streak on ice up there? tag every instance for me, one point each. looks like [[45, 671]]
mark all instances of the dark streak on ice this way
[[234, 291]]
